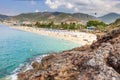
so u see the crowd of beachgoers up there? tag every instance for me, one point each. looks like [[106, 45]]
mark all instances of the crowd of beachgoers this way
[[81, 38]]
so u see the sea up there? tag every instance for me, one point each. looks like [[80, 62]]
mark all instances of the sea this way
[[17, 48]]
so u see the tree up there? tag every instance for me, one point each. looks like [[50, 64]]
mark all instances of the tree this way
[[80, 26], [37, 24], [64, 26], [51, 24], [72, 26], [99, 25]]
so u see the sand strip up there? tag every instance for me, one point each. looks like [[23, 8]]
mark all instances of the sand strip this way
[[74, 36]]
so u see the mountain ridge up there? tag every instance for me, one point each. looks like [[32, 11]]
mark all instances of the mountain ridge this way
[[59, 17], [52, 16], [3, 16], [109, 18]]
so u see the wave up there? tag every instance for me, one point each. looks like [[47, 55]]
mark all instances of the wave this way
[[24, 67]]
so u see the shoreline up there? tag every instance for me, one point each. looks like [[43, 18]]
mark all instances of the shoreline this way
[[60, 34], [24, 67], [83, 63], [81, 38]]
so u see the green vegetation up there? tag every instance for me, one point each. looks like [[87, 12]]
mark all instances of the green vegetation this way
[[29, 25], [113, 25], [64, 26], [1, 20], [116, 23], [45, 25], [97, 24], [69, 26]]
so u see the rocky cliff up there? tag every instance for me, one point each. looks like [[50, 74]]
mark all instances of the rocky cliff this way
[[99, 61]]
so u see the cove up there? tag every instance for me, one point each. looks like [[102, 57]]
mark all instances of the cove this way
[[17, 47]]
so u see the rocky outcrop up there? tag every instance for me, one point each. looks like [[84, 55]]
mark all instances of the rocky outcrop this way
[[99, 61]]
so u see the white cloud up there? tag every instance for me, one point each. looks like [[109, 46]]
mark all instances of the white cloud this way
[[86, 6], [76, 9], [37, 10], [53, 4], [69, 5]]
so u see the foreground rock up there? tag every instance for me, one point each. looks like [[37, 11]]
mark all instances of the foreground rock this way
[[99, 61]]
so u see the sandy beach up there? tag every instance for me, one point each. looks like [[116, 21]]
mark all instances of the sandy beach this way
[[74, 36]]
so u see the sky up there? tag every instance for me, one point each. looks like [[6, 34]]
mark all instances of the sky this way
[[100, 7]]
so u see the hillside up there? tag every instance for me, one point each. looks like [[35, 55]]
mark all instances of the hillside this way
[[61, 17], [99, 61], [116, 23], [109, 18], [113, 25], [84, 17], [3, 16], [52, 16]]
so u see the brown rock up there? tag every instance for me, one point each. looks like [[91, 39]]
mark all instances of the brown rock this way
[[36, 65], [100, 61]]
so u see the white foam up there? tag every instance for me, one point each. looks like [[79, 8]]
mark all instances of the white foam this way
[[23, 67], [12, 77]]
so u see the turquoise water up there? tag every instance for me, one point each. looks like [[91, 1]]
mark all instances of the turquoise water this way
[[17, 47]]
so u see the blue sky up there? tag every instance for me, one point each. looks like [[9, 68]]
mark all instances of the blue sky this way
[[13, 7], [101, 7]]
